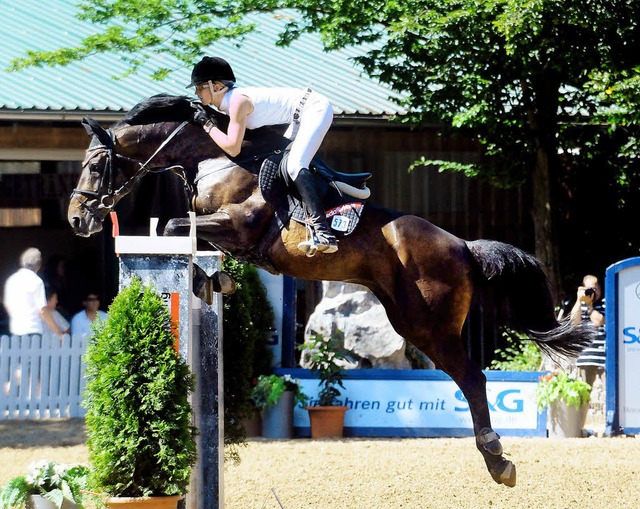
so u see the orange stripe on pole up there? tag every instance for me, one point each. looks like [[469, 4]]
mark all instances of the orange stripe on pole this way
[[175, 319]]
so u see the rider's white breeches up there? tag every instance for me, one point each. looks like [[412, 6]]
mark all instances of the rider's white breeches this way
[[307, 134]]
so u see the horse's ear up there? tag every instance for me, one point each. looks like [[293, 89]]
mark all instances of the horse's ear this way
[[94, 129]]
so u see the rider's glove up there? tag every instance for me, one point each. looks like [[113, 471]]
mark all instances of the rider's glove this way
[[202, 117]]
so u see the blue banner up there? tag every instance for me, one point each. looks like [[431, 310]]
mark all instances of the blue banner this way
[[425, 403]]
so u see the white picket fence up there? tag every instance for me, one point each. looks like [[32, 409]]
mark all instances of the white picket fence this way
[[41, 377]]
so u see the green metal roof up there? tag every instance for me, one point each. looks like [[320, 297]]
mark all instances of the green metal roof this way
[[89, 86]]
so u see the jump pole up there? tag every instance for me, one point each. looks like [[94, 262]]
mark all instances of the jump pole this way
[[167, 264]]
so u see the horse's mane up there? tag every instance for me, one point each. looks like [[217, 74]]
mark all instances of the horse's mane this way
[[161, 108]]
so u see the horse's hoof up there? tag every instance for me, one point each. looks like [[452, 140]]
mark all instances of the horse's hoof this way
[[202, 287], [223, 283], [504, 473], [489, 441]]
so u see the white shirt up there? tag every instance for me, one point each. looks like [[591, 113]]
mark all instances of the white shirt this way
[[271, 105], [59, 320], [24, 299], [80, 323]]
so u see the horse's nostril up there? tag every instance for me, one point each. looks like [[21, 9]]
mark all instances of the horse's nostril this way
[[75, 222]]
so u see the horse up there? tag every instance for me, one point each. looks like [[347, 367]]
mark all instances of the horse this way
[[426, 278]]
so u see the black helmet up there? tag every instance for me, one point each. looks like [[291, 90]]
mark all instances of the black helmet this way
[[211, 68]]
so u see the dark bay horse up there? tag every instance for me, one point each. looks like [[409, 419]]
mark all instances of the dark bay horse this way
[[425, 277]]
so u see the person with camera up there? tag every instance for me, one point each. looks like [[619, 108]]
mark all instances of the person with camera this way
[[590, 305]]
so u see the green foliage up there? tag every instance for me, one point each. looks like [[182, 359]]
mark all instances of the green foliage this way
[[140, 438], [269, 388], [520, 355], [56, 482], [247, 326], [520, 77], [559, 386], [324, 360]]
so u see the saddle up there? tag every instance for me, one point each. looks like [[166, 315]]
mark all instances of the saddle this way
[[343, 210]]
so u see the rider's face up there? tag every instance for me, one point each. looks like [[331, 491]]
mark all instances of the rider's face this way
[[203, 91]]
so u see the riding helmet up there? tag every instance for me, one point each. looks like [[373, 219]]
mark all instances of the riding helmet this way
[[211, 68]]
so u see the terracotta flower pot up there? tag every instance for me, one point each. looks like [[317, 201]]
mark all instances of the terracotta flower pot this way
[[170, 502], [327, 421]]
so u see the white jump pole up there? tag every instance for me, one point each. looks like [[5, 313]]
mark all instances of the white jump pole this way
[[167, 264]]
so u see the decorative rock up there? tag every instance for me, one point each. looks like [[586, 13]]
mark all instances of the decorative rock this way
[[368, 335]]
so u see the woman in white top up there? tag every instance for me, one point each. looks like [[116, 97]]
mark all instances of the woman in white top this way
[[59, 320], [309, 115]]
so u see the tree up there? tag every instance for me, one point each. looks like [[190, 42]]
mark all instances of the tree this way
[[526, 78]]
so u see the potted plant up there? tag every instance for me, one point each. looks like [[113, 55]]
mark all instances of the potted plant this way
[[47, 485], [324, 359], [276, 396], [140, 437], [567, 399]]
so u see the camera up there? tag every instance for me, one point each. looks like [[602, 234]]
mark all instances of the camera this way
[[590, 292]]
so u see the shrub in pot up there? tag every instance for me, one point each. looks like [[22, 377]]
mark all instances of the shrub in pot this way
[[140, 438], [275, 396], [567, 398], [325, 359]]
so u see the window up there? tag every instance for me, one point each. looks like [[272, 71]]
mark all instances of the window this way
[[36, 193]]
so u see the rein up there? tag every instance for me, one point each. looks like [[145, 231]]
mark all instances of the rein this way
[[108, 200]]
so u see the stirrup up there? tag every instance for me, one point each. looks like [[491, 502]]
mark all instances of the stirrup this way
[[323, 242], [310, 245]]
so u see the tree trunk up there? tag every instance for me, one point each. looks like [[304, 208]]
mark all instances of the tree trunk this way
[[544, 124], [544, 230]]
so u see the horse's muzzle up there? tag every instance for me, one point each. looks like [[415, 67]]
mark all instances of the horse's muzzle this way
[[83, 226]]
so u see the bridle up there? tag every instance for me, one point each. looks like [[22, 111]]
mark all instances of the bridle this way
[[93, 202]]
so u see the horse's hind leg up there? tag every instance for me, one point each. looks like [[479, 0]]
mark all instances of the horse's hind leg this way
[[451, 357]]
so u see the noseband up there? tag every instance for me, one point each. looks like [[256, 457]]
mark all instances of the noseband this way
[[107, 201]]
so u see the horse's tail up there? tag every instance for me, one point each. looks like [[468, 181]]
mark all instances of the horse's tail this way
[[524, 302]]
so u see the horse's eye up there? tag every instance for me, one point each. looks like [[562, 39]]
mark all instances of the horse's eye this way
[[95, 170]]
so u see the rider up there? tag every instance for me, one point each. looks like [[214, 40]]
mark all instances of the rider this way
[[309, 115]]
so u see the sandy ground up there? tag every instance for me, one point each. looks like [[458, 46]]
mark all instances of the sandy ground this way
[[587, 473]]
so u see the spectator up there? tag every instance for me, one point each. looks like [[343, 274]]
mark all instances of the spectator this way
[[590, 305], [82, 320], [25, 298], [52, 304], [55, 276]]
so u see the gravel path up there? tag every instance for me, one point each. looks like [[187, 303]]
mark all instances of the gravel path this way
[[588, 473]]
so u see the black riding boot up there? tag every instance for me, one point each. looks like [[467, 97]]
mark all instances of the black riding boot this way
[[322, 239]]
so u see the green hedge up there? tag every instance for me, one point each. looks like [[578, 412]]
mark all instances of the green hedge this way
[[247, 323]]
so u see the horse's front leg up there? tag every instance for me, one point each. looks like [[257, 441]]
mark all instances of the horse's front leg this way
[[204, 286]]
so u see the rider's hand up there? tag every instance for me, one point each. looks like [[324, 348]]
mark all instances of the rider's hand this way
[[202, 117]]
